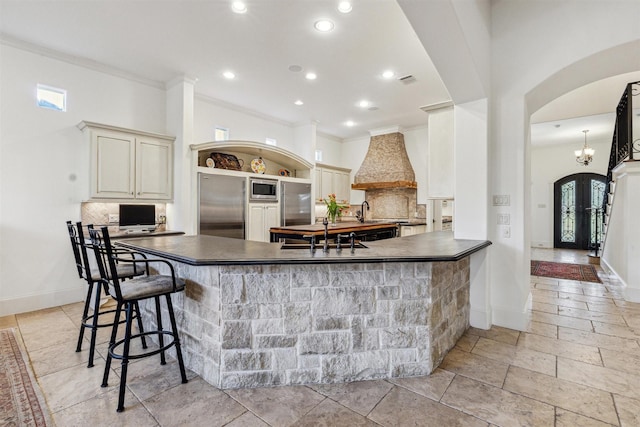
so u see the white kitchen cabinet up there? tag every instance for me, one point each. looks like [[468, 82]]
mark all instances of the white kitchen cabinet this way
[[127, 164], [410, 230], [440, 167], [261, 217], [333, 180]]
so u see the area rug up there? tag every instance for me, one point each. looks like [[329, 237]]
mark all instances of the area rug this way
[[21, 400], [558, 270]]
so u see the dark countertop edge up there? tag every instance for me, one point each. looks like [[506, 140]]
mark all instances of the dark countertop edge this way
[[137, 234], [368, 260]]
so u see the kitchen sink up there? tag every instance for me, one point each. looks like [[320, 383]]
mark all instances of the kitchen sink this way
[[307, 245]]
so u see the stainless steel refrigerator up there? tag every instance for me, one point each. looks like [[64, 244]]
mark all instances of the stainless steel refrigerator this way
[[295, 204], [221, 205]]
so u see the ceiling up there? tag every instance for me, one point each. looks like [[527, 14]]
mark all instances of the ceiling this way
[[162, 40], [590, 107], [158, 41]]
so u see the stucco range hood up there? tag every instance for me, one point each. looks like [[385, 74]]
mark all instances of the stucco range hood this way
[[386, 165]]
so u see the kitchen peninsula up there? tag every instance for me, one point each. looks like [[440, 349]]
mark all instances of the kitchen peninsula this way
[[255, 315]]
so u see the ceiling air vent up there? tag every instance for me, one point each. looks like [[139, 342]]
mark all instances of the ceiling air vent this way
[[407, 79]]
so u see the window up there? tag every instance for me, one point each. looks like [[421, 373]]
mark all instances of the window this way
[[270, 141], [221, 134], [51, 98], [318, 155]]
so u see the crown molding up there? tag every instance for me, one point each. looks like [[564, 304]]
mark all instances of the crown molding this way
[[240, 109], [76, 60]]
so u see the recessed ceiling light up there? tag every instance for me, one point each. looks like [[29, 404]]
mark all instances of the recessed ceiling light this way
[[349, 123], [388, 74], [229, 75], [345, 6], [363, 104], [323, 25], [311, 76], [299, 102], [239, 7], [295, 68]]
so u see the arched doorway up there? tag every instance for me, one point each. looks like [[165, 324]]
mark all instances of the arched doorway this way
[[577, 219]]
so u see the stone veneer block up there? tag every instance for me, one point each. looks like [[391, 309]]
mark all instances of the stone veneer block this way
[[250, 326]]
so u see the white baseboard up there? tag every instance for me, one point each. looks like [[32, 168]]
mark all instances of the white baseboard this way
[[41, 301], [480, 319], [543, 245], [630, 293], [507, 317]]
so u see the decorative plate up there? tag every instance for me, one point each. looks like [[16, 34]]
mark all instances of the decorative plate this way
[[258, 165], [210, 163], [284, 172]]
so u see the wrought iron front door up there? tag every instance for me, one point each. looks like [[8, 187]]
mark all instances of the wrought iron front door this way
[[577, 210]]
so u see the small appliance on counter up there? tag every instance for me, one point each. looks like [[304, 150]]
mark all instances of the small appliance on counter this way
[[137, 218]]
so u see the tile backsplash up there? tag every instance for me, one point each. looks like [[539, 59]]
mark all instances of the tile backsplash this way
[[98, 213]]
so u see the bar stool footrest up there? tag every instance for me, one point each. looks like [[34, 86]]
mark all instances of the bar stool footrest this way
[[102, 325], [119, 356]]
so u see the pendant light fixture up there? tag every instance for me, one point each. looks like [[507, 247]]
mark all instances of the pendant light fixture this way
[[585, 156]]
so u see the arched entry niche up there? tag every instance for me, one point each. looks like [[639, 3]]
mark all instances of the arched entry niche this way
[[618, 60]]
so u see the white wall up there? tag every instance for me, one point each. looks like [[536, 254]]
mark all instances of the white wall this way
[[441, 175], [331, 150], [549, 164], [242, 124], [621, 250], [538, 51], [532, 42], [44, 172]]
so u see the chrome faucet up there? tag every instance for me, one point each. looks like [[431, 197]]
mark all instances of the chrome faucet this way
[[360, 214], [325, 222], [352, 238]]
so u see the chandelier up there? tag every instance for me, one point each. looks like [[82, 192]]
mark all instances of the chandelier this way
[[585, 156]]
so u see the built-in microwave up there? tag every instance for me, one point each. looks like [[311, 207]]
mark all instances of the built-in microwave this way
[[263, 190]]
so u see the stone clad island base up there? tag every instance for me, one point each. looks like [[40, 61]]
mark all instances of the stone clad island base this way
[[285, 324]]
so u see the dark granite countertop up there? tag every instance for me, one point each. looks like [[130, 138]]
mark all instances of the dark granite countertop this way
[[209, 250], [136, 234]]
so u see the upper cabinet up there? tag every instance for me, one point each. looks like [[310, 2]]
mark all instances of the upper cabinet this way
[[440, 168], [128, 164], [333, 180]]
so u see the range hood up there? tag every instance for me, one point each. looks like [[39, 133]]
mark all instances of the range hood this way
[[386, 165]]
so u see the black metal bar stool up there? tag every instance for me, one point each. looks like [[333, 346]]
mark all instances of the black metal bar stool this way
[[79, 245], [127, 294]]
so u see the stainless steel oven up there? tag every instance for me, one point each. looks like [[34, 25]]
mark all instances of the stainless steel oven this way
[[263, 190]]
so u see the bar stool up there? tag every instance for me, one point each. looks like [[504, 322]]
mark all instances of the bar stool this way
[[127, 294], [79, 245]]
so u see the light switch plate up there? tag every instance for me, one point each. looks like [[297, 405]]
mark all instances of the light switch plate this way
[[501, 200], [504, 219]]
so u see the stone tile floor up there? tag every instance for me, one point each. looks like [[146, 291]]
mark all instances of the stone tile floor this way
[[578, 364]]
